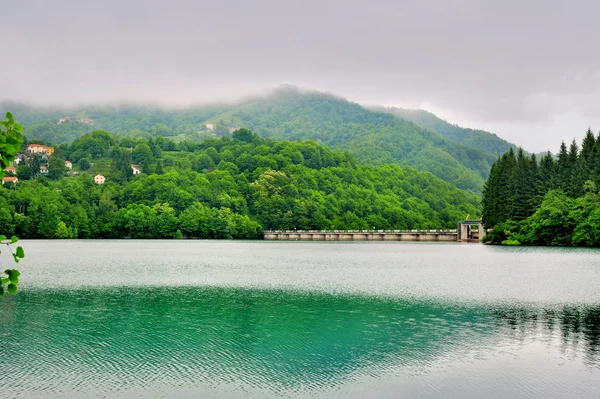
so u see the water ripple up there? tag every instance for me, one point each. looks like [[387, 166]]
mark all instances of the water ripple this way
[[243, 342]]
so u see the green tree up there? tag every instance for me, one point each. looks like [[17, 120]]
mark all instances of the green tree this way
[[84, 164], [243, 135], [56, 168], [159, 168], [142, 154]]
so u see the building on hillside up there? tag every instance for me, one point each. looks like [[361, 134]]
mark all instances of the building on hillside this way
[[11, 170], [69, 165], [99, 179], [210, 126], [10, 179], [43, 170], [18, 159], [40, 149], [64, 119], [136, 169], [86, 121], [233, 129]]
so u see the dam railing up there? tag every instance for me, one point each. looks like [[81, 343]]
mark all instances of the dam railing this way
[[362, 235], [467, 231]]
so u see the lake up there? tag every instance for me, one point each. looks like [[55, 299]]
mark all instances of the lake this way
[[301, 319]]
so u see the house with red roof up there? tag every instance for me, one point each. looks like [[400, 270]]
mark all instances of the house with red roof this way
[[10, 179]]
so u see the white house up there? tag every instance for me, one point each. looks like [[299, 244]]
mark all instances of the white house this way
[[69, 165], [136, 169], [210, 126], [99, 179]]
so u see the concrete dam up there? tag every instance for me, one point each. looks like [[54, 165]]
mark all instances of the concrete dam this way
[[466, 231]]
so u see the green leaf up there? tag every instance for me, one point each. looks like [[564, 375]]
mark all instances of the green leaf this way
[[4, 280], [14, 279], [2, 237], [16, 258], [15, 272], [12, 289], [14, 239], [20, 252], [1, 291]]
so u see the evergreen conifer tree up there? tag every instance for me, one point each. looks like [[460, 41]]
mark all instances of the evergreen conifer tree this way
[[159, 167]]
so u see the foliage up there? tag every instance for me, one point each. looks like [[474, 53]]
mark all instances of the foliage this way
[[10, 277], [485, 144], [376, 138], [227, 188], [121, 120], [554, 202], [10, 143], [372, 137]]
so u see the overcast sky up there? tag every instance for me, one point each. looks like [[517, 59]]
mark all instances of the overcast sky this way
[[526, 70]]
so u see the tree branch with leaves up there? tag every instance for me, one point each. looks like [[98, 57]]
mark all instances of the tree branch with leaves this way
[[11, 139]]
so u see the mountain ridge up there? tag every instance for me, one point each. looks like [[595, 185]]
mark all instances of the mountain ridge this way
[[289, 113]]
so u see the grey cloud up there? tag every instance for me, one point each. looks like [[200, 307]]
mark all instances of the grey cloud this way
[[496, 64]]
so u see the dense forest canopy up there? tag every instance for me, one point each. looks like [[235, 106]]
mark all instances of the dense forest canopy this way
[[550, 202], [487, 142], [218, 188], [371, 137], [64, 124]]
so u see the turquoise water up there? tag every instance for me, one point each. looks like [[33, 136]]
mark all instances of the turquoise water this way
[[264, 319]]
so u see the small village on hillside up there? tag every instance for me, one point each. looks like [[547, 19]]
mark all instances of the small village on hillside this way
[[38, 157]]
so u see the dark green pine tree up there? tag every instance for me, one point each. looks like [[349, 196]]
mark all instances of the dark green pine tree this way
[[534, 178], [121, 164], [490, 202], [499, 195], [159, 167], [587, 156], [595, 164], [508, 187], [562, 168], [547, 179], [524, 187], [575, 174]]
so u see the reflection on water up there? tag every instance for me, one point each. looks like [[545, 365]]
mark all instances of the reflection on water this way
[[577, 327], [164, 341]]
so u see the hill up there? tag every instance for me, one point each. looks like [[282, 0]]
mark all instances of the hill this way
[[372, 137], [488, 142], [219, 188], [64, 124]]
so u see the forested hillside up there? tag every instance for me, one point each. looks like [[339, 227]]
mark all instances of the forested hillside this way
[[373, 137], [122, 120], [218, 188], [287, 113], [487, 142], [553, 202]]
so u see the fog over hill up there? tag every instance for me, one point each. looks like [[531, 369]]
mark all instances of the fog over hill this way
[[291, 113], [527, 72]]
